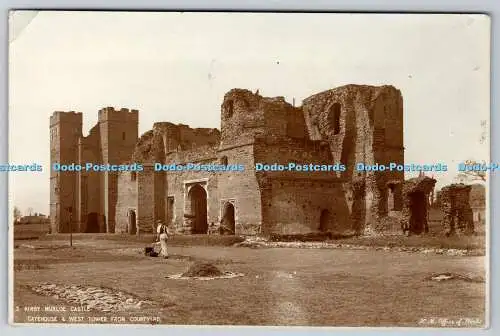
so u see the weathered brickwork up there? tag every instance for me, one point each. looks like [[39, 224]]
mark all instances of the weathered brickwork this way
[[362, 124], [416, 193], [345, 125], [458, 215], [92, 196], [478, 202], [65, 130], [241, 189], [126, 206]]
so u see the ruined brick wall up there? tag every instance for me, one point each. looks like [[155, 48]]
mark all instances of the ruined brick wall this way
[[415, 212], [241, 188], [478, 202], [477, 196], [179, 187], [294, 201], [119, 134], [126, 200], [356, 124], [65, 131], [168, 143], [297, 205], [90, 183], [245, 115], [458, 215], [152, 187], [183, 138], [146, 209], [362, 124], [179, 183]]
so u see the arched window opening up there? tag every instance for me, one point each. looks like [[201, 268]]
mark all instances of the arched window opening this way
[[229, 108], [334, 117]]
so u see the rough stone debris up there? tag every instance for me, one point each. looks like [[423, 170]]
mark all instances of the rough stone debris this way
[[454, 276], [202, 269], [343, 126], [256, 242], [28, 266], [224, 275], [458, 215], [95, 298]]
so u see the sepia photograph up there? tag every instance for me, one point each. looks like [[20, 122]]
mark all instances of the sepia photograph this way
[[249, 169]]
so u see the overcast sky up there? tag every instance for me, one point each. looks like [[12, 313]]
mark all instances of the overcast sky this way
[[177, 67]]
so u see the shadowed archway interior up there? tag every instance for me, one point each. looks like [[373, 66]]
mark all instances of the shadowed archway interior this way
[[324, 220], [228, 220], [92, 225], [198, 200], [132, 225]]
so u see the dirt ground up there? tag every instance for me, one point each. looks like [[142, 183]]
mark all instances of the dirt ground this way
[[280, 286]]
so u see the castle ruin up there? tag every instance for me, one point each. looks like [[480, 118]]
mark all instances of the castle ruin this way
[[458, 214], [349, 124]]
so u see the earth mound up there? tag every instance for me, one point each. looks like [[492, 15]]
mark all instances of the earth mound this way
[[202, 269]]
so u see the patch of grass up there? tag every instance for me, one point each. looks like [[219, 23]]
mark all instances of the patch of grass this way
[[314, 287], [30, 231], [28, 267]]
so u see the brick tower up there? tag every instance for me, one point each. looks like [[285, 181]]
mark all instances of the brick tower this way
[[65, 131], [119, 134]]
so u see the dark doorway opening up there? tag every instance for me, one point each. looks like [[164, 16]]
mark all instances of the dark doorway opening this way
[[132, 224], [92, 225], [325, 220], [198, 198], [418, 212], [228, 222]]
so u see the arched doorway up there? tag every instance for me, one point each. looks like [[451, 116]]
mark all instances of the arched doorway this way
[[198, 201], [92, 225], [228, 222], [132, 225], [324, 220]]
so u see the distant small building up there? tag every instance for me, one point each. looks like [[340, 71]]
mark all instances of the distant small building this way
[[34, 219]]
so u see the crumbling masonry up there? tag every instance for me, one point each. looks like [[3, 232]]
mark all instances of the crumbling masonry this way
[[416, 193], [455, 204], [349, 124]]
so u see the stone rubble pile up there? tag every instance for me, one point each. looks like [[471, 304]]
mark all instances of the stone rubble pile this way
[[253, 243], [224, 275], [452, 276], [94, 298]]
